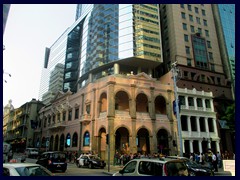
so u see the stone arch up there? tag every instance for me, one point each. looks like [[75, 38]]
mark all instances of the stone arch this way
[[122, 139], [103, 102], [142, 102], [163, 137], [122, 101], [143, 140], [51, 143], [61, 147], [75, 139], [56, 142], [101, 141], [160, 105]]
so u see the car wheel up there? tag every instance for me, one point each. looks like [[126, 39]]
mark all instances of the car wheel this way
[[90, 165], [191, 173], [64, 170], [78, 165]]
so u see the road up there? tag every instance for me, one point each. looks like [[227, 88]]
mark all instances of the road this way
[[73, 170]]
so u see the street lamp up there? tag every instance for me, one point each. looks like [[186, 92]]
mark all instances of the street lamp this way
[[175, 74]]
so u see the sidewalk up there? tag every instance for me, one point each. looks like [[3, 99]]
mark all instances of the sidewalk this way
[[112, 169]]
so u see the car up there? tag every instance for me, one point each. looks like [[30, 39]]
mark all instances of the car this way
[[53, 161], [153, 167], [25, 169], [91, 161], [31, 152], [194, 168]]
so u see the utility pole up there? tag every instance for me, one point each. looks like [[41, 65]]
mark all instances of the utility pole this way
[[175, 74]]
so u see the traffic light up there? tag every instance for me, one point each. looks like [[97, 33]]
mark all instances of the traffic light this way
[[106, 138]]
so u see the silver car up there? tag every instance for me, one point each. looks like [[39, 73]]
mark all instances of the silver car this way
[[25, 169], [153, 167]]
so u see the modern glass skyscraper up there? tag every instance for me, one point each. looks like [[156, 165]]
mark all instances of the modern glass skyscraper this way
[[226, 23], [111, 33]]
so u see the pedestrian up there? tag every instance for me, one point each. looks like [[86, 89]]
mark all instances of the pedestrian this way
[[215, 162], [10, 155], [219, 157], [200, 158]]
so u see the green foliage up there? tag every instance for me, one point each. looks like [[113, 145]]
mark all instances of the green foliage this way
[[229, 116]]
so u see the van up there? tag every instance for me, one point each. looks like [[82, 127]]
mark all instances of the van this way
[[153, 167], [31, 152]]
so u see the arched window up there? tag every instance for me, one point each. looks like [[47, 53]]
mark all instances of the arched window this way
[[68, 140], [74, 140], [86, 139]]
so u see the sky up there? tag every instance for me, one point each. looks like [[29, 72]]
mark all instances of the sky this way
[[30, 28]]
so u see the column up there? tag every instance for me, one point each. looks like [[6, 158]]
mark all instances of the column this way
[[116, 68], [215, 126], [217, 146], [183, 141], [206, 126], [90, 77], [195, 103], [198, 125], [212, 106], [200, 146], [191, 145], [132, 145], [189, 124], [186, 102], [151, 106], [204, 104]]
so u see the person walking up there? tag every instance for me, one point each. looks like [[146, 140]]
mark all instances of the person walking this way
[[215, 162], [219, 157]]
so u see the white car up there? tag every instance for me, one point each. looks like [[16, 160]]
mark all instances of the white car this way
[[31, 152], [25, 169], [153, 167]]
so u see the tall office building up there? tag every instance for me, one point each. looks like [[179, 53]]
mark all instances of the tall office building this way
[[190, 38], [126, 35], [224, 15]]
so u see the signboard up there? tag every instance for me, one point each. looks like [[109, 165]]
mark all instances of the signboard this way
[[229, 165]]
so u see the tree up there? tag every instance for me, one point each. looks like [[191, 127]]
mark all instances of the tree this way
[[229, 116]]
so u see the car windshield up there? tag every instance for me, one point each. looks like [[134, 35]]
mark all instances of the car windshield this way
[[59, 155], [32, 171]]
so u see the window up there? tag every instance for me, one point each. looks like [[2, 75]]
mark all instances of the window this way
[[130, 168], [209, 44], [200, 30], [189, 62], [196, 10], [205, 22], [86, 139], [192, 29], [198, 20], [210, 54], [189, 7], [190, 18], [69, 115], [203, 12], [187, 49], [88, 109], [64, 116], [212, 67], [200, 52], [74, 140], [68, 140], [182, 6], [185, 37], [184, 26], [183, 15], [76, 113], [207, 33]]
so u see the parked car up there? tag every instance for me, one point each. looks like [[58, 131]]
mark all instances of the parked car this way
[[25, 169], [194, 168], [53, 161], [31, 152], [91, 161], [153, 167]]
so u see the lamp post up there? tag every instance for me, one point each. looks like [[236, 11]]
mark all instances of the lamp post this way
[[175, 74]]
